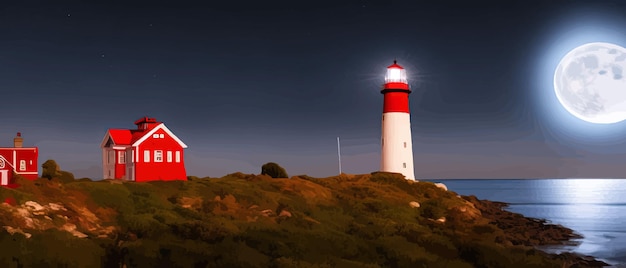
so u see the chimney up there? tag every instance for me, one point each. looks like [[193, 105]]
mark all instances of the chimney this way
[[18, 141], [146, 123]]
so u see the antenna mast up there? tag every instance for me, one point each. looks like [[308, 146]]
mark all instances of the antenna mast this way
[[339, 154]]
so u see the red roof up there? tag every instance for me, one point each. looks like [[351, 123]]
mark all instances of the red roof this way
[[129, 136], [395, 66], [138, 134], [121, 136]]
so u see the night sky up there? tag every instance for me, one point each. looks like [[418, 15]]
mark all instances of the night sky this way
[[247, 83]]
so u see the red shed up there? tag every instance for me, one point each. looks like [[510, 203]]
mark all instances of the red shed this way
[[19, 160], [150, 152]]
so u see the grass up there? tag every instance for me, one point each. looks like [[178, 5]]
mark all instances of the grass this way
[[233, 221]]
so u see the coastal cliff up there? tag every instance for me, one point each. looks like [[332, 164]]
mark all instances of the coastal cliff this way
[[244, 220]]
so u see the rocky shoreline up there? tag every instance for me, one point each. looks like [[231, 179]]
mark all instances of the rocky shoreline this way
[[525, 231]]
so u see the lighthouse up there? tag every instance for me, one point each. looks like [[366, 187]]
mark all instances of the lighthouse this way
[[396, 142]]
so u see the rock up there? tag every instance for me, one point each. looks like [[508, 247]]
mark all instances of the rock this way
[[441, 185], [253, 207], [414, 204], [71, 228], [29, 223], [23, 212], [34, 205], [441, 220], [190, 202], [55, 206], [285, 213], [267, 213], [12, 231]]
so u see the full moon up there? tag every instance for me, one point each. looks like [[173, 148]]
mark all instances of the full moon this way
[[589, 82]]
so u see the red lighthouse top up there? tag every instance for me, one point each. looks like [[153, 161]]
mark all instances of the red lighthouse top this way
[[395, 65], [396, 90], [395, 79]]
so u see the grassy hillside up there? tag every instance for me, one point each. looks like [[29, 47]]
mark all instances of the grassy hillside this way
[[241, 220]]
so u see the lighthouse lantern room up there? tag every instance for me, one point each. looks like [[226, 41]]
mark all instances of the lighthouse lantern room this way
[[396, 141]]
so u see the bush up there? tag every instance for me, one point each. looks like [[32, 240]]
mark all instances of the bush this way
[[274, 170], [50, 169], [433, 209], [66, 176]]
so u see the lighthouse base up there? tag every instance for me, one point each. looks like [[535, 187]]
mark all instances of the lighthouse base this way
[[397, 145]]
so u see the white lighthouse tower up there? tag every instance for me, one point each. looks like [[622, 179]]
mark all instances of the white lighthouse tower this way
[[396, 142]]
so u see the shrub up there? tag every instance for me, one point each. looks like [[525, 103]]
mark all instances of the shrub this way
[[274, 170], [65, 176], [50, 169], [433, 209]]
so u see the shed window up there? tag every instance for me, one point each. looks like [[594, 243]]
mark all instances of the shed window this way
[[146, 156], [177, 156], [158, 156], [169, 156], [22, 165], [121, 157]]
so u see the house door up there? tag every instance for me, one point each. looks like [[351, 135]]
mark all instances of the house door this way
[[130, 174], [4, 177]]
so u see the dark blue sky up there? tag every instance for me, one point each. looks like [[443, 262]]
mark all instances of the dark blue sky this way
[[251, 82]]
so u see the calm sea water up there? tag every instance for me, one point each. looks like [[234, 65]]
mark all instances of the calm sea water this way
[[594, 208]]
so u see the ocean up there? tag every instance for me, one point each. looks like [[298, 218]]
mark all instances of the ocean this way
[[594, 208]]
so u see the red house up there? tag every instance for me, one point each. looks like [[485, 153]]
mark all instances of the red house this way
[[150, 152], [19, 160]]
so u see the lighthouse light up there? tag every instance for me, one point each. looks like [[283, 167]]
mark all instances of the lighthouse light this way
[[395, 75]]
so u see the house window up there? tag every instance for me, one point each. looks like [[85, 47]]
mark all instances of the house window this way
[[404, 165], [22, 165], [169, 156], [121, 157], [158, 156], [30, 162], [161, 136], [132, 156], [146, 156], [156, 136], [405, 144], [177, 156]]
